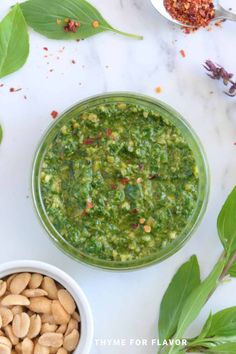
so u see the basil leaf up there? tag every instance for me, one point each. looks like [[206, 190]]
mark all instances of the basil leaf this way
[[184, 281], [14, 42], [48, 18], [226, 223], [232, 271], [223, 323], [198, 298], [1, 134], [206, 328], [227, 348]]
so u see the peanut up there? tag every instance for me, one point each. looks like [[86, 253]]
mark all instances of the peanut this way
[[49, 286], [20, 325], [59, 314], [66, 301], [40, 304], [19, 283], [51, 340]]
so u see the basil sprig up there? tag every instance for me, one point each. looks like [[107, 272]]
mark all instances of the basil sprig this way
[[187, 295], [56, 19]]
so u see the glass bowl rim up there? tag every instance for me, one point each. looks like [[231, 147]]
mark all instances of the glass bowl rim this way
[[154, 257]]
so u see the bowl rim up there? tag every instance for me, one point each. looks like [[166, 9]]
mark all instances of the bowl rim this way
[[168, 251], [87, 325]]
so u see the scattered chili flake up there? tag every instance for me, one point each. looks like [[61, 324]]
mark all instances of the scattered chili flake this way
[[1, 85], [158, 89], [124, 181], [89, 141], [89, 205], [135, 226], [114, 187], [197, 13], [72, 26], [12, 89], [54, 114], [73, 61], [84, 212], [109, 132], [45, 48], [95, 24], [183, 54]]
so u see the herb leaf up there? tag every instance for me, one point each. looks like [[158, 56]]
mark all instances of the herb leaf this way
[[198, 298], [206, 328], [1, 134], [226, 223], [184, 281], [227, 348], [48, 18], [232, 271], [14, 42], [223, 323]]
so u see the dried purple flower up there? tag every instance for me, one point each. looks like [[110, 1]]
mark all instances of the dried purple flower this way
[[217, 72]]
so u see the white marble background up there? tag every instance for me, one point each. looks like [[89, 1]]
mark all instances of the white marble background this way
[[125, 305]]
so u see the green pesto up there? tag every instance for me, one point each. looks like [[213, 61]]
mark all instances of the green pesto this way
[[119, 182]]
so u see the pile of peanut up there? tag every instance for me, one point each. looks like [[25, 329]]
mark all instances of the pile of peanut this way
[[37, 316]]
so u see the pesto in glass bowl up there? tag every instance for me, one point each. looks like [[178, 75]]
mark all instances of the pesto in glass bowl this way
[[120, 181]]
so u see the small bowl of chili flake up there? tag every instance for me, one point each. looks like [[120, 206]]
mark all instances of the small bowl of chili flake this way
[[120, 181]]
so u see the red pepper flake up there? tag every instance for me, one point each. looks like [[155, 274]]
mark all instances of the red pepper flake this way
[[12, 89], [72, 26], [1, 85], [95, 24], [89, 141], [135, 226], [73, 61], [89, 205], [84, 212], [182, 53], [134, 211], [109, 132], [197, 13], [124, 181], [235, 143], [45, 48], [54, 114], [158, 89]]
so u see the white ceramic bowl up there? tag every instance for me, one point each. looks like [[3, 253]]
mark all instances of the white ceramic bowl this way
[[86, 335]]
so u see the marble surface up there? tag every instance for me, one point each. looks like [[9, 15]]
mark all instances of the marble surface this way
[[125, 305]]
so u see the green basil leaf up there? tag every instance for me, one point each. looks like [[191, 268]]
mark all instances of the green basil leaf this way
[[1, 134], [226, 223], [14, 42], [48, 18], [206, 328], [227, 348], [198, 298], [223, 323], [232, 271], [184, 281]]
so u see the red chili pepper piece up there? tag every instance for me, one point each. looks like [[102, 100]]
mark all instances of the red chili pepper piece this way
[[109, 132], [124, 181], [114, 186], [89, 141], [135, 226], [89, 205], [54, 114]]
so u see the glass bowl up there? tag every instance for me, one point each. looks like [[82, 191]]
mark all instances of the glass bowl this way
[[190, 137]]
